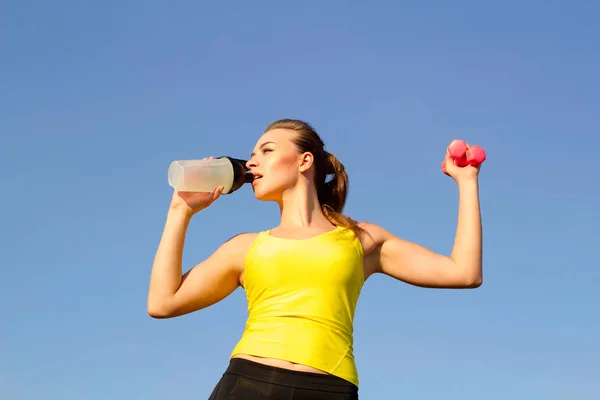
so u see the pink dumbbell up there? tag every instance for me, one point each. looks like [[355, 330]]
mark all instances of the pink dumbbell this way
[[463, 155]]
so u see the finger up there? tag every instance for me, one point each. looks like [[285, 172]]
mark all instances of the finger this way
[[217, 193], [449, 161]]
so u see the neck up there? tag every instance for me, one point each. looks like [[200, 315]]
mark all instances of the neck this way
[[300, 208]]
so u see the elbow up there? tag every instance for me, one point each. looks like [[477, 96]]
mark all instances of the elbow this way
[[158, 310], [472, 276], [157, 314], [467, 277], [473, 282]]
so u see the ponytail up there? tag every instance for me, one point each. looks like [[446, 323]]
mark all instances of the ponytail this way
[[333, 193]]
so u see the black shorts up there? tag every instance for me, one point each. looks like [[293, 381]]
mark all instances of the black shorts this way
[[249, 380]]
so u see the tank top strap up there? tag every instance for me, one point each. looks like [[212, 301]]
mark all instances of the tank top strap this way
[[352, 237], [260, 237]]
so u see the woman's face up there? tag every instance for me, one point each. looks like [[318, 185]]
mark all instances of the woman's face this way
[[276, 164]]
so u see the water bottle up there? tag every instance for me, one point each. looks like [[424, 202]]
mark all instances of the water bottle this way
[[207, 175]]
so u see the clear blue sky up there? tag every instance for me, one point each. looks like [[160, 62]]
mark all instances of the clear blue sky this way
[[98, 97]]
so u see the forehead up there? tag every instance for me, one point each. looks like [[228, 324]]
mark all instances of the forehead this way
[[281, 137]]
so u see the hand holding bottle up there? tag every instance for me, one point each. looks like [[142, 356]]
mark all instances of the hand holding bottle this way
[[192, 202]]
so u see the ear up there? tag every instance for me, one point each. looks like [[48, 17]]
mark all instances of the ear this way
[[305, 161]]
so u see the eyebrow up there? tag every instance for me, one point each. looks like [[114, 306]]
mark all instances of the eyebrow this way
[[261, 146]]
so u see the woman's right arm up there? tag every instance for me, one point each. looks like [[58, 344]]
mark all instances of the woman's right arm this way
[[172, 294]]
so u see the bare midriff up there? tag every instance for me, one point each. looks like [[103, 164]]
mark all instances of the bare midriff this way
[[273, 362]]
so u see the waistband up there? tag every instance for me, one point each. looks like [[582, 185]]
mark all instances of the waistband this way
[[285, 377]]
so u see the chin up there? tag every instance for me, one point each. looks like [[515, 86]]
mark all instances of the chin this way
[[264, 194]]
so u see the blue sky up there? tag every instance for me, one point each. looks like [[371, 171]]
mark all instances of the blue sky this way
[[99, 97]]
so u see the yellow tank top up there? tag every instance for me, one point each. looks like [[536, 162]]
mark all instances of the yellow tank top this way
[[302, 295]]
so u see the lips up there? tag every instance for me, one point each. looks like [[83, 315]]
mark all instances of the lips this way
[[256, 177]]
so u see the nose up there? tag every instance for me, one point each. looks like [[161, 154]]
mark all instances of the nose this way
[[251, 163]]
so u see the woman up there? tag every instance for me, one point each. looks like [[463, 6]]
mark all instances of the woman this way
[[303, 278]]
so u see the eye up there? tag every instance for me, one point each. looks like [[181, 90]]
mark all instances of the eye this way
[[267, 151]]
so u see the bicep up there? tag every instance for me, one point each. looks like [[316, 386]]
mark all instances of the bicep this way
[[212, 280], [413, 263], [418, 265]]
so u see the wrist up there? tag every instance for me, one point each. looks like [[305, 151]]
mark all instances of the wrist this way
[[468, 182], [180, 213]]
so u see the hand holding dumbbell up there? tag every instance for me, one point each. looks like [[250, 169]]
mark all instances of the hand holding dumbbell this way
[[462, 154]]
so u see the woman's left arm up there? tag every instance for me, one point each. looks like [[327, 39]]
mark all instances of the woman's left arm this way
[[419, 266]]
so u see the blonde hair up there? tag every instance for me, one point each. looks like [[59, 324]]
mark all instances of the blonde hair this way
[[332, 194]]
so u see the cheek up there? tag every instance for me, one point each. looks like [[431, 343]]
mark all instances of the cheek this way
[[282, 171]]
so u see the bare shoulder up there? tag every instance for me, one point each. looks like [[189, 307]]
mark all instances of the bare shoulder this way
[[228, 259], [237, 249], [372, 236], [237, 246], [241, 239]]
